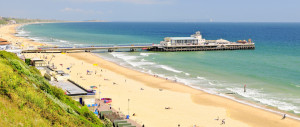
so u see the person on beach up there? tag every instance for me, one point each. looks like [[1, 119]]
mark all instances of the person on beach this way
[[223, 121], [217, 118], [284, 115]]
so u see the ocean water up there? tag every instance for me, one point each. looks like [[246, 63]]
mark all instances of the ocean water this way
[[271, 71]]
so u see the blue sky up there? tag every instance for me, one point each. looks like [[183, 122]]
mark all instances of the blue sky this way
[[155, 10]]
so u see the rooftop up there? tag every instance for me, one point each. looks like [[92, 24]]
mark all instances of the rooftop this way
[[4, 42], [36, 59], [60, 72], [70, 88], [182, 38]]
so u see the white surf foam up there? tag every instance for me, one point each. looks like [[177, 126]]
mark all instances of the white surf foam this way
[[146, 54], [258, 95], [202, 78], [169, 68]]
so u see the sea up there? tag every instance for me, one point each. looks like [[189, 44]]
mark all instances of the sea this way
[[271, 72]]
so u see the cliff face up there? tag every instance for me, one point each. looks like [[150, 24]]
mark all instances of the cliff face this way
[[27, 99]]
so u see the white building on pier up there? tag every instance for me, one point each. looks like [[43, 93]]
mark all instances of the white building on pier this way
[[195, 39]]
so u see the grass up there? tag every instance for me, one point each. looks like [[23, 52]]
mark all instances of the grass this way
[[5, 20], [27, 99]]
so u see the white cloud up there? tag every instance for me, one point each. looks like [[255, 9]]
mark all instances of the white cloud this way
[[128, 1], [76, 10]]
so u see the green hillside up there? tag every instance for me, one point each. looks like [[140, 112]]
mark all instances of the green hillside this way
[[5, 20], [27, 99]]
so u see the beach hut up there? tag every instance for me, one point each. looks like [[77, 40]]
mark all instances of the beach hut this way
[[123, 124], [61, 75], [115, 123], [102, 113], [37, 62]]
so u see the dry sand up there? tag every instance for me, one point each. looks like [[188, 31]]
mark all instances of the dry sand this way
[[188, 106]]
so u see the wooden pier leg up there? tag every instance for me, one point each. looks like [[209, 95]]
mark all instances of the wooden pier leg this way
[[110, 50]]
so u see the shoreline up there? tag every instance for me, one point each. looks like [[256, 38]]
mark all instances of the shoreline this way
[[238, 100], [197, 96], [223, 95]]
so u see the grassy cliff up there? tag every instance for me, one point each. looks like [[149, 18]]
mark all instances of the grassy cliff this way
[[5, 20], [27, 99]]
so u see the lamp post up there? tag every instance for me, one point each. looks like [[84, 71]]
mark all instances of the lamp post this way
[[128, 105], [99, 92]]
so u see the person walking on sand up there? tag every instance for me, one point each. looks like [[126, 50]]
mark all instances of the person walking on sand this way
[[284, 115]]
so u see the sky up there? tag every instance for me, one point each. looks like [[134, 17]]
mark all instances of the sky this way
[[155, 10]]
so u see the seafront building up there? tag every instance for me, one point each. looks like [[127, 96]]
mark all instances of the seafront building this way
[[4, 44], [196, 43], [195, 39], [76, 92]]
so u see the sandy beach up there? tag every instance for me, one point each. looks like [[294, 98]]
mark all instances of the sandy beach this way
[[148, 96]]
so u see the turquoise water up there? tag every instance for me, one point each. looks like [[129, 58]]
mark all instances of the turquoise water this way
[[271, 71]]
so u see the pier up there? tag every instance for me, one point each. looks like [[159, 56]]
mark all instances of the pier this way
[[170, 44], [147, 47]]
